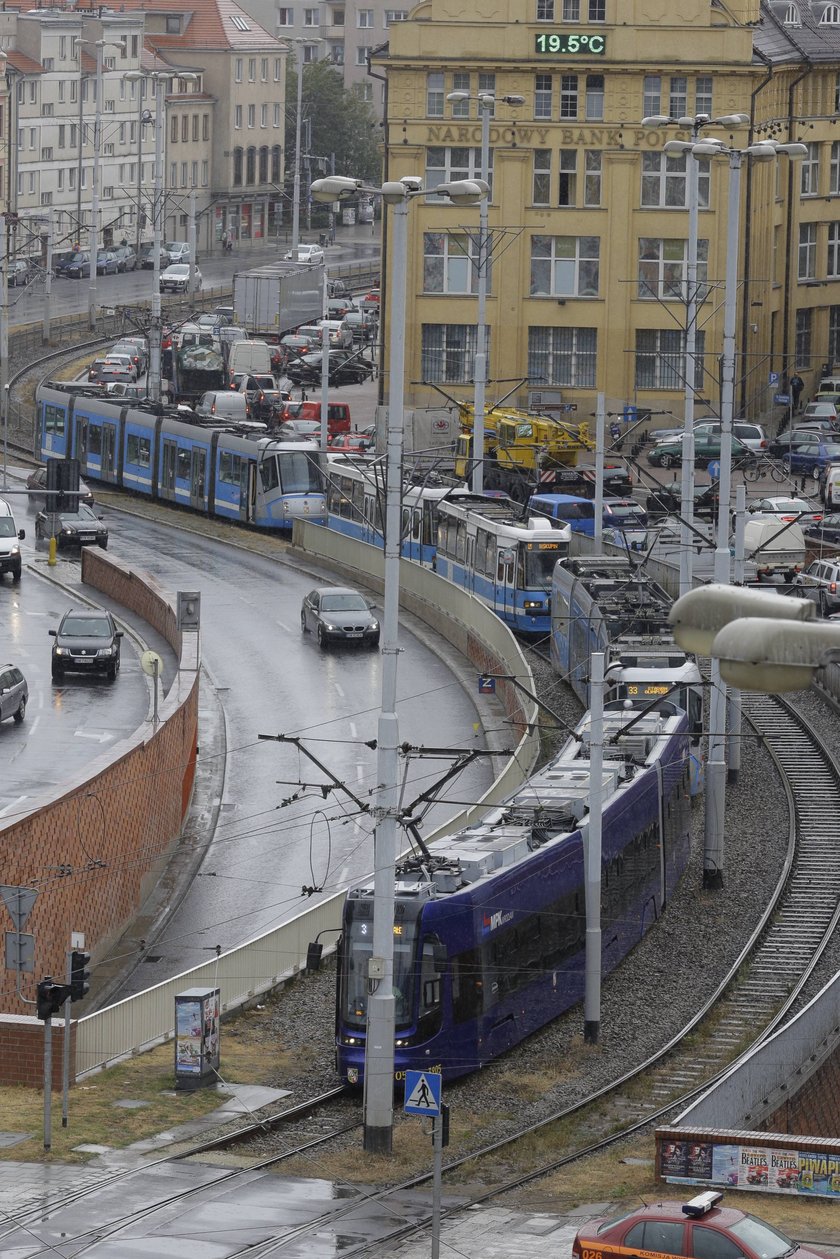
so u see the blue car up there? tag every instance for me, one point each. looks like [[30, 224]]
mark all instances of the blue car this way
[[811, 458]]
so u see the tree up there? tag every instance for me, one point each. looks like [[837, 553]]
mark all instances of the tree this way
[[342, 124]]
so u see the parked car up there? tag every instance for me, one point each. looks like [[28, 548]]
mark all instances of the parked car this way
[[107, 262], [78, 266], [666, 500], [176, 278], [61, 261], [311, 255], [824, 531], [363, 326], [752, 435], [337, 614], [177, 251], [146, 258], [87, 640], [10, 536], [820, 410], [299, 431], [820, 582], [345, 368], [223, 405], [126, 258], [787, 510], [700, 1226], [74, 527], [14, 693], [354, 443], [782, 445], [36, 484], [19, 271], [341, 336], [811, 458], [706, 450], [625, 523]]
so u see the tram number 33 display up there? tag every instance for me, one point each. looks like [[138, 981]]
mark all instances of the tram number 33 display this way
[[569, 44]]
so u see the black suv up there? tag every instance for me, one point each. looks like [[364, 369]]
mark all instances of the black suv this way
[[86, 641]]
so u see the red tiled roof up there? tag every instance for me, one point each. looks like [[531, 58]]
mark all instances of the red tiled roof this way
[[23, 64], [87, 63], [208, 24]]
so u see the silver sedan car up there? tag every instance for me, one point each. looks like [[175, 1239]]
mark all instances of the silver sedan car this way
[[337, 614]]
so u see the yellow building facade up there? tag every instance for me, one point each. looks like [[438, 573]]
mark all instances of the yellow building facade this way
[[588, 218]]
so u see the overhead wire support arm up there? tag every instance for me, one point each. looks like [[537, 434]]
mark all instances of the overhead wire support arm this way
[[298, 743], [508, 677]]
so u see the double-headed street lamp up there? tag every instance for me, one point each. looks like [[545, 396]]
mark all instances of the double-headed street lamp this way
[[486, 102], [764, 151], [673, 148], [159, 78], [379, 1044]]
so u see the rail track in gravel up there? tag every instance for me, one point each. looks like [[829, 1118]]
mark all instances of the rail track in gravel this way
[[763, 983]]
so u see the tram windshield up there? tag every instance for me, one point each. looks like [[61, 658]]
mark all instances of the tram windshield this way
[[300, 473], [540, 558], [358, 951]]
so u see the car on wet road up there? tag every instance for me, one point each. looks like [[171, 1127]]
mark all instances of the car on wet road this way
[[74, 527], [87, 641], [337, 614], [14, 693]]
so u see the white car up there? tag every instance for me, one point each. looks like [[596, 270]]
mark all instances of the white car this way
[[175, 279], [177, 251], [122, 360], [312, 255], [786, 510]]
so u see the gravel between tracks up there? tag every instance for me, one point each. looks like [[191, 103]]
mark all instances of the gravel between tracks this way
[[651, 995]]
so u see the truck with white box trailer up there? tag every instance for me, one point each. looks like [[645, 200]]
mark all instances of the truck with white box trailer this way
[[278, 297]]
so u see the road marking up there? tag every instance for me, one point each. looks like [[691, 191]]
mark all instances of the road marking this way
[[345, 870], [99, 735], [32, 726], [12, 804], [338, 688], [284, 627], [353, 731]]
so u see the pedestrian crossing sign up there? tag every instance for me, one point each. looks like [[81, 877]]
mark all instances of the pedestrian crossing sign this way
[[422, 1093]]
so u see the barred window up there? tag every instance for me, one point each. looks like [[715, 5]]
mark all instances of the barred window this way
[[833, 333], [565, 266], [545, 10], [562, 356], [448, 351], [660, 358]]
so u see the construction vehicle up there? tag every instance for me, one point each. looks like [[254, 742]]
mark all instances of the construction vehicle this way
[[522, 451]]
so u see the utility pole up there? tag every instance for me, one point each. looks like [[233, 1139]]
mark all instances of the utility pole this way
[[4, 342], [191, 241], [48, 276], [94, 201]]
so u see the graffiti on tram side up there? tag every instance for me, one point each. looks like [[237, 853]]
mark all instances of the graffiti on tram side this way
[[762, 1168]]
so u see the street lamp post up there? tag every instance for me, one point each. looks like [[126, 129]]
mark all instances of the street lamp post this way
[[715, 793], [300, 43], [158, 79], [379, 1044], [486, 105], [674, 147]]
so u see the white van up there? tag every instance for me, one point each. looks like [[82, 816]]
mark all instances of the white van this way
[[830, 492], [776, 549], [252, 357], [10, 536]]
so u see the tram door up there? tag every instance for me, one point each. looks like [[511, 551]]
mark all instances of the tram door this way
[[505, 583], [169, 471], [249, 496], [80, 449], [469, 574], [109, 445], [198, 476]]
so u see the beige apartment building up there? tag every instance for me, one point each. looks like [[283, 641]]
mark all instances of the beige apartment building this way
[[588, 214]]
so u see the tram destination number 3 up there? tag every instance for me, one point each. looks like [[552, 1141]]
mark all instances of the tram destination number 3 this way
[[570, 43]]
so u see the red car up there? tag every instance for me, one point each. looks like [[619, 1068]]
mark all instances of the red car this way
[[699, 1227], [358, 443]]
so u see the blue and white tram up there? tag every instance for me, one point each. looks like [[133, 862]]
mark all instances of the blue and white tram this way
[[485, 547], [156, 452], [489, 923]]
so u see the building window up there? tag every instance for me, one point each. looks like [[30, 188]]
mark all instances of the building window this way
[[592, 177], [568, 96], [447, 352], [275, 164], [263, 115], [395, 15], [448, 163], [237, 70], [541, 188], [62, 137], [830, 15], [237, 168], [173, 175], [276, 114], [568, 178], [542, 95], [834, 169], [562, 356], [791, 17], [285, 17], [310, 54], [807, 251], [595, 97], [205, 127], [703, 94], [278, 69], [173, 25], [252, 115], [337, 54], [311, 17], [362, 54], [460, 83], [487, 85], [545, 10], [837, 94], [205, 173], [810, 171], [237, 116], [263, 165], [565, 266], [185, 128], [252, 69], [833, 334], [663, 269], [652, 96], [660, 358], [597, 10], [833, 271], [62, 91], [364, 19], [264, 69], [450, 263], [434, 95], [571, 10], [251, 166], [678, 97], [184, 174], [665, 182], [337, 17], [803, 337]]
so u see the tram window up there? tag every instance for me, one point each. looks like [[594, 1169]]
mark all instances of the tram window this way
[[268, 474], [429, 979], [708, 1243], [460, 540], [467, 986], [230, 470], [358, 499], [415, 524], [182, 465], [139, 451], [94, 439], [299, 473], [54, 419], [405, 525]]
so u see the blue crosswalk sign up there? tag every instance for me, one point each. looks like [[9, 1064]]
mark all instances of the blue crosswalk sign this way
[[422, 1093]]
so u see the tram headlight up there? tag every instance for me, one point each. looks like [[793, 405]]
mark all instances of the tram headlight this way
[[533, 605]]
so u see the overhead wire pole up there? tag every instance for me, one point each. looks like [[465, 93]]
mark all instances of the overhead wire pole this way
[[94, 198], [299, 43]]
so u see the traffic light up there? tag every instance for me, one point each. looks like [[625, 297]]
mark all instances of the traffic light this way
[[51, 998], [79, 974]]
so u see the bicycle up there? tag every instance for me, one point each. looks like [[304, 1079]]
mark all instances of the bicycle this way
[[763, 466]]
